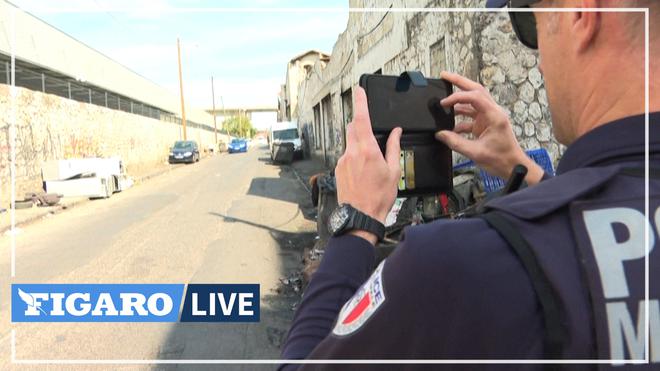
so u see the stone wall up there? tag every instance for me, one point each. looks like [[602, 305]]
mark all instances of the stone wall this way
[[481, 46], [50, 127], [511, 72]]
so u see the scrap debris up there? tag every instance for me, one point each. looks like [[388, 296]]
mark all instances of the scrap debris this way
[[293, 283]]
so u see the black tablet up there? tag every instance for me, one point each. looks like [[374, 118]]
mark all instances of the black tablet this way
[[412, 102]]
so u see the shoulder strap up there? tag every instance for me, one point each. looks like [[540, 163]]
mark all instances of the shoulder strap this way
[[555, 331]]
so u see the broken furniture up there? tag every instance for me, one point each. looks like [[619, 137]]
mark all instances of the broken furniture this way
[[85, 177]]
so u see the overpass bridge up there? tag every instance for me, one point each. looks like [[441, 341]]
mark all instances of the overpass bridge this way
[[260, 116]]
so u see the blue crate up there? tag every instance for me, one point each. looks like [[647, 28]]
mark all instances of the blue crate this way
[[493, 183]]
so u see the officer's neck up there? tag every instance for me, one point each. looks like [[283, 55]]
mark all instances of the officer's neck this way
[[616, 91]]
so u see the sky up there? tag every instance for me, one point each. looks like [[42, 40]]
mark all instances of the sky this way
[[245, 51]]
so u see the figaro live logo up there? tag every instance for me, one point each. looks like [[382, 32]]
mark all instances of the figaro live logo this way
[[134, 303]]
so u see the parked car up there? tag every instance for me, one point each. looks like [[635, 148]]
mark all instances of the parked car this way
[[262, 141], [184, 151], [238, 145]]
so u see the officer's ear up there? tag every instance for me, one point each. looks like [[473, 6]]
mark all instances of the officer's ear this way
[[585, 25]]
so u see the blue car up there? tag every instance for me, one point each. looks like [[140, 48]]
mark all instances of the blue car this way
[[238, 145]]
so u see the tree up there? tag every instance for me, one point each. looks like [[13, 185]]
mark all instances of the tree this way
[[239, 126]]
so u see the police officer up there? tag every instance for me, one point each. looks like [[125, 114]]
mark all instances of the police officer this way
[[555, 271]]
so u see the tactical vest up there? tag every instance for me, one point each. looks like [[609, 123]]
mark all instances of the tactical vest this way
[[585, 242]]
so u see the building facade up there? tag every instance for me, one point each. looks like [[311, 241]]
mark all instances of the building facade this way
[[298, 70], [478, 45]]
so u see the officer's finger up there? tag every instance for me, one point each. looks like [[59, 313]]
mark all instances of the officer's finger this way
[[465, 110], [474, 98], [393, 150], [361, 120], [456, 142], [462, 82], [464, 127]]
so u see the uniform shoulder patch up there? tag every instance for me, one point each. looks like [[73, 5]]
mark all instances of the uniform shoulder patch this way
[[362, 305]]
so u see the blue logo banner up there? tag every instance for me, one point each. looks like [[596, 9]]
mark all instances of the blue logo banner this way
[[95, 302], [221, 303]]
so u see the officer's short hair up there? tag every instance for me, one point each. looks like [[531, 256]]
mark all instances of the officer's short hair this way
[[635, 21]]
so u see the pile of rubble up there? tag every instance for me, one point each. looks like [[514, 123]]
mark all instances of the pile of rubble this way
[[296, 281], [292, 283]]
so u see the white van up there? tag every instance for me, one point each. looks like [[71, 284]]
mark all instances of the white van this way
[[285, 132]]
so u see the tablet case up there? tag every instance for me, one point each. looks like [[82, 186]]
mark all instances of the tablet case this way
[[412, 102]]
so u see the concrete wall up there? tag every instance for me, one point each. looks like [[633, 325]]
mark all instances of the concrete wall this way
[[481, 46], [50, 127]]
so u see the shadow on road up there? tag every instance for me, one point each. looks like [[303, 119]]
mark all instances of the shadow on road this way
[[261, 340], [282, 189], [263, 187], [284, 239]]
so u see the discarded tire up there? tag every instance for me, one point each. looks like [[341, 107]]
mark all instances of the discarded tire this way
[[23, 204]]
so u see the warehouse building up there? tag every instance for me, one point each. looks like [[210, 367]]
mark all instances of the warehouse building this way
[[71, 101]]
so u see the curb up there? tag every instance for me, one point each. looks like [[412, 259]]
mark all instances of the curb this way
[[57, 209]]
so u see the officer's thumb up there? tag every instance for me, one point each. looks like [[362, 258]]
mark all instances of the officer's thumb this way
[[457, 143]]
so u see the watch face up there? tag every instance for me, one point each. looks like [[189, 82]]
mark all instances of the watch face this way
[[338, 219]]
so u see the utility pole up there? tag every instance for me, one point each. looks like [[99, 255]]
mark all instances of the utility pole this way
[[183, 108], [215, 125], [224, 113]]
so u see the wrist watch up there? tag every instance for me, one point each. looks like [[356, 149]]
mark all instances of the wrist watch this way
[[347, 218]]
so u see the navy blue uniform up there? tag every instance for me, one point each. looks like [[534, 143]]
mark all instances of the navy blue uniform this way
[[458, 290]]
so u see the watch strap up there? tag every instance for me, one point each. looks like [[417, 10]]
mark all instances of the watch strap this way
[[364, 222]]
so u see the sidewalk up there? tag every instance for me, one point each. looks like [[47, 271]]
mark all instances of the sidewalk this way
[[27, 216], [304, 169]]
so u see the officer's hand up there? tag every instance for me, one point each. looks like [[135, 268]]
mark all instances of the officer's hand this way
[[366, 179], [495, 148]]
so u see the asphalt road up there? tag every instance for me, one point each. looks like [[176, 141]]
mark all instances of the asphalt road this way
[[227, 219]]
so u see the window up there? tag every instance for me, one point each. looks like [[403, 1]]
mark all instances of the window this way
[[56, 86], [347, 106], [28, 79], [183, 144], [5, 72], [81, 93], [288, 134], [438, 58], [113, 101], [98, 98], [347, 111], [317, 126], [326, 107]]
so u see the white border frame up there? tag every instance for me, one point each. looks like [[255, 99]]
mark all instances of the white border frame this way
[[12, 138]]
